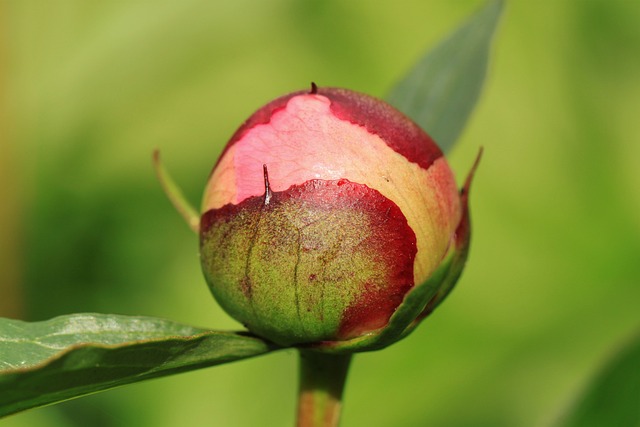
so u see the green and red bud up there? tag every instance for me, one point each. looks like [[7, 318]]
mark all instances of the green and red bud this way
[[324, 212]]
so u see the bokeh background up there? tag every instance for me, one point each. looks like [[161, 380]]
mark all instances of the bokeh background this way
[[89, 89]]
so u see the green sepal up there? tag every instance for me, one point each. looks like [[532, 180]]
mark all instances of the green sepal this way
[[403, 318], [422, 299], [175, 195], [462, 242]]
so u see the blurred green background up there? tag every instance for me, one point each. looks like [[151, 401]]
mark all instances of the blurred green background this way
[[89, 89]]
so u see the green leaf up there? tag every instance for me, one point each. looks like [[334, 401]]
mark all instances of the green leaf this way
[[69, 356], [440, 91], [613, 398]]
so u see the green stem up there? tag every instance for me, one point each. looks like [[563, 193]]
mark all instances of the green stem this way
[[322, 380]]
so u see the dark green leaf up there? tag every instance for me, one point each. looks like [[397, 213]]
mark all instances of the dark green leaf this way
[[70, 356], [440, 91], [613, 398]]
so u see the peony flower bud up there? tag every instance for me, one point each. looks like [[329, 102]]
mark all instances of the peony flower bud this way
[[325, 211]]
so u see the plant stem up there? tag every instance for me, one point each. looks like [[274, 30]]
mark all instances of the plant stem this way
[[322, 380]]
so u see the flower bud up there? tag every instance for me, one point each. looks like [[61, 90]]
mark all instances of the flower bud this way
[[324, 211]]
